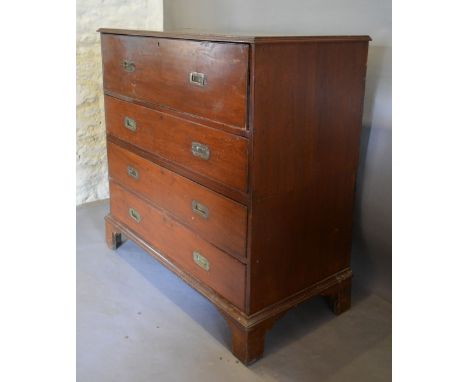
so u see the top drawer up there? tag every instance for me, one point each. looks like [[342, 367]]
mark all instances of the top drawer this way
[[207, 79]]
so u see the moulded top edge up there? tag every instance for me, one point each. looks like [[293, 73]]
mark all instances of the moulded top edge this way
[[192, 35]]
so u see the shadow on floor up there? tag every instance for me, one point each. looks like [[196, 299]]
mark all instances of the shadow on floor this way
[[299, 323]]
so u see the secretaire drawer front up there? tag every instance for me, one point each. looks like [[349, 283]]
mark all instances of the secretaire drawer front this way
[[216, 218], [210, 152], [208, 79], [221, 272]]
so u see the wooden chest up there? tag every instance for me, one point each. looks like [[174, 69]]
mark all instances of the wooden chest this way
[[232, 161]]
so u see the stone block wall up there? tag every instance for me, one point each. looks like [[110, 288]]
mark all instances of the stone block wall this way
[[91, 166]]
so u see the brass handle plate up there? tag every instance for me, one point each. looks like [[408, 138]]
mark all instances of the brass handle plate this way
[[133, 213], [200, 151], [200, 209], [201, 261], [130, 124], [128, 66], [198, 79], [132, 172]]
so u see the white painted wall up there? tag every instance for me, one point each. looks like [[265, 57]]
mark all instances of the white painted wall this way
[[372, 229], [91, 166]]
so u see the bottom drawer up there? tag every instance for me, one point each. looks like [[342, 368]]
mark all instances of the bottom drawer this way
[[218, 270]]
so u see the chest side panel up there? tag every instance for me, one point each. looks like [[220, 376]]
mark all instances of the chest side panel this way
[[307, 112]]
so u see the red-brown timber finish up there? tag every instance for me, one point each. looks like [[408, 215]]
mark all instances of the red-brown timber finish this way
[[218, 219], [158, 69], [281, 118], [225, 275], [172, 138], [306, 129]]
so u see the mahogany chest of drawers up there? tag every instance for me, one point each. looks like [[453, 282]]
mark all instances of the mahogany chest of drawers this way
[[232, 161]]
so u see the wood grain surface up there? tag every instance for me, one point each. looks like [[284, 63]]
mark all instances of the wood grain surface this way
[[171, 138], [161, 74], [226, 275], [305, 148], [225, 225]]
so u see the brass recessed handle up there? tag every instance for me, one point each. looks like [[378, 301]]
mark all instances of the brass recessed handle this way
[[133, 213], [128, 66], [198, 79], [130, 124], [200, 209], [200, 151], [201, 261], [132, 172]]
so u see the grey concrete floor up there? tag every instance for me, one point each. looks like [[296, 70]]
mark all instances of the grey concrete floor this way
[[138, 322]]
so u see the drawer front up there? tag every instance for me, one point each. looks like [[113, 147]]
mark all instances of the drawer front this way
[[221, 272], [216, 218], [207, 79], [210, 152]]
